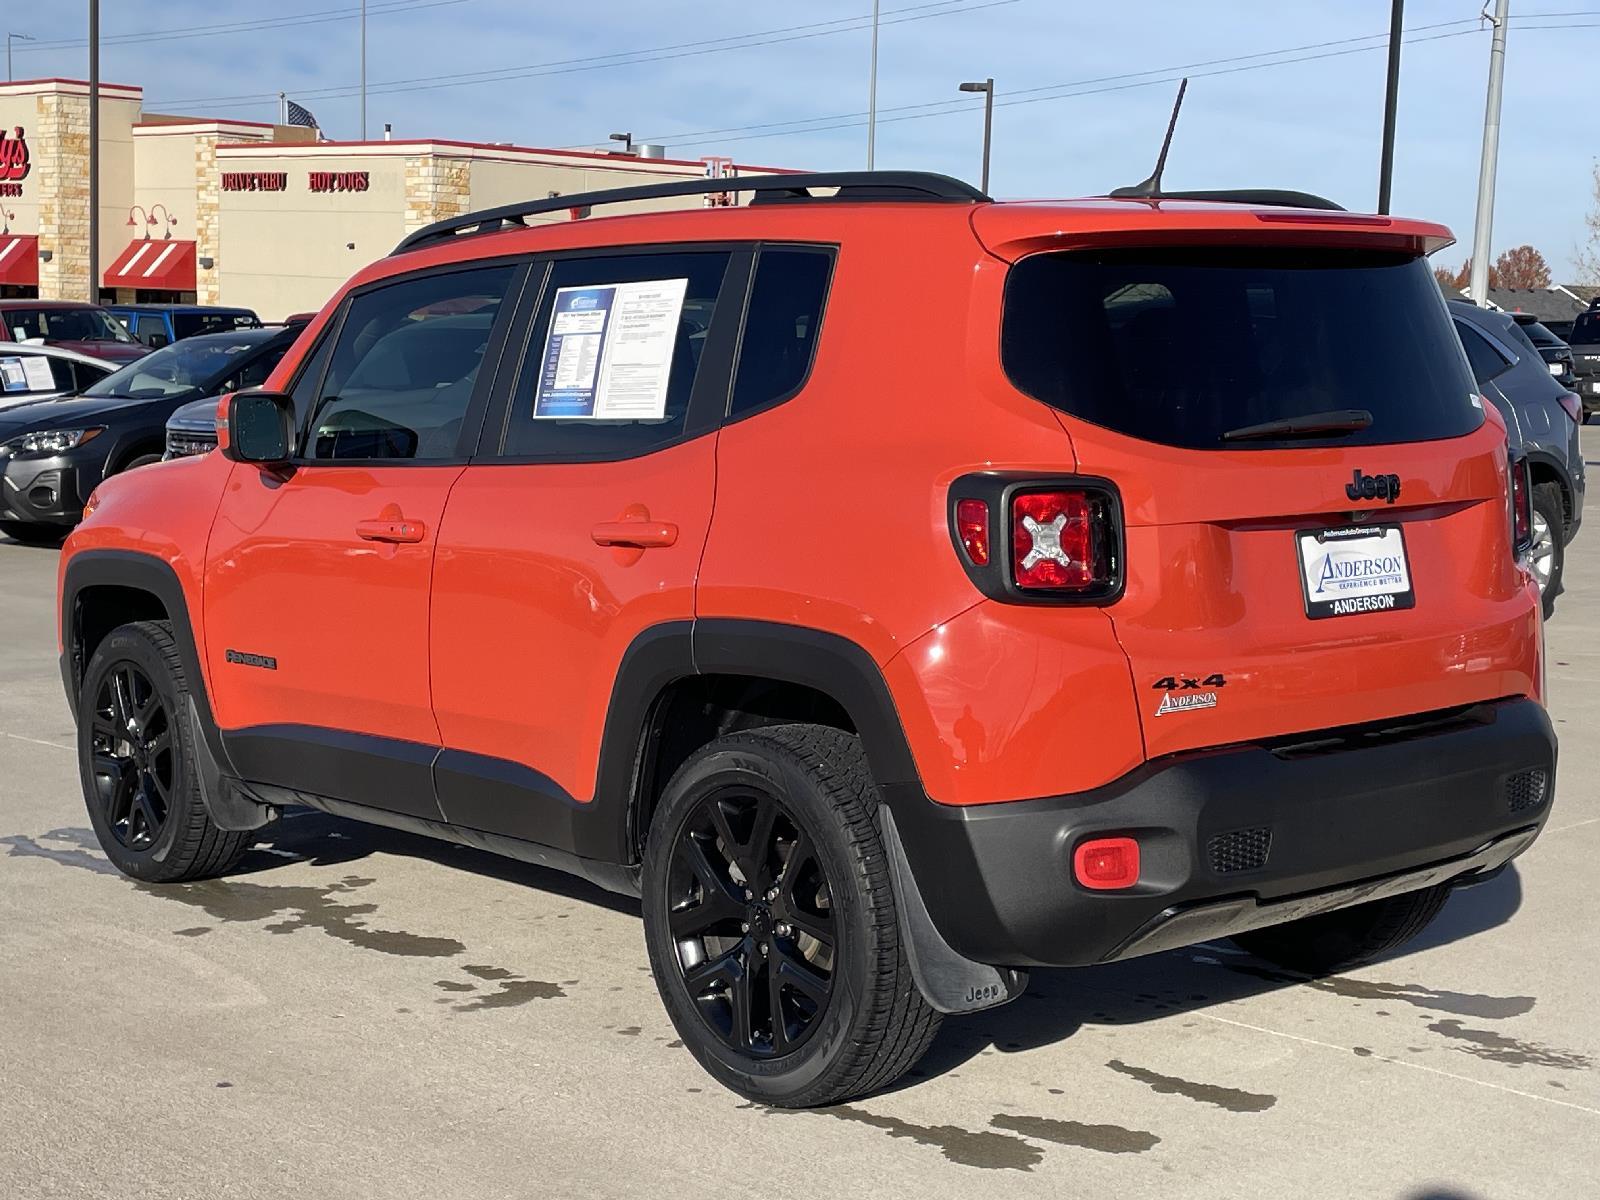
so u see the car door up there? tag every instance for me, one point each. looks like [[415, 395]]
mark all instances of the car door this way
[[579, 526], [317, 578]]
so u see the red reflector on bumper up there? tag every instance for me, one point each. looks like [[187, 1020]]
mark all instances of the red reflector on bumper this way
[[1105, 864]]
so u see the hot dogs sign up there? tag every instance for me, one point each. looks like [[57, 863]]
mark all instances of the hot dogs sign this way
[[14, 163]]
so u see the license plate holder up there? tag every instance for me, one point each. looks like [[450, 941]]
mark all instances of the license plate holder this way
[[1351, 570]]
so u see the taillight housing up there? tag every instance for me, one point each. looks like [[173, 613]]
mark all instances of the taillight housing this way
[[1028, 539], [1521, 507], [1573, 404]]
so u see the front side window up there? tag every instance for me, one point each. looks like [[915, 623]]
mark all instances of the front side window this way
[[613, 354], [1183, 346], [405, 367]]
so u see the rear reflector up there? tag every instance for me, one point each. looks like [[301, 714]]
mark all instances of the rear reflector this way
[[972, 527], [1106, 864]]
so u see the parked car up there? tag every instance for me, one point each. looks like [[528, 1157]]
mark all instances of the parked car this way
[[33, 372], [1125, 575], [1585, 344], [86, 328], [1556, 354], [192, 428], [158, 325], [54, 452], [1542, 420]]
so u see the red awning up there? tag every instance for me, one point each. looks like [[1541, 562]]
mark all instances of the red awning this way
[[19, 259], [168, 265]]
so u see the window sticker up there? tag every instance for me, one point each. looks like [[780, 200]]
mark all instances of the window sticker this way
[[11, 372], [36, 370], [608, 354]]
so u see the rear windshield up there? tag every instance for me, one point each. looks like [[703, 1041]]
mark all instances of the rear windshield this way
[[187, 324], [1181, 346], [1586, 328], [1539, 335]]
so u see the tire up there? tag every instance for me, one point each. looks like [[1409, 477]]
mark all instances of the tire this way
[[869, 1024], [1335, 941], [30, 534], [138, 460], [1549, 512], [143, 791]]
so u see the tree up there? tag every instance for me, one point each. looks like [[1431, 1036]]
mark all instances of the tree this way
[[1459, 278], [1520, 267], [1588, 255]]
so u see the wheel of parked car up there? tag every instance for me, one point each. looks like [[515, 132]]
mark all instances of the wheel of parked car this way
[[1548, 555], [33, 535], [140, 460], [771, 924], [136, 759], [1347, 937]]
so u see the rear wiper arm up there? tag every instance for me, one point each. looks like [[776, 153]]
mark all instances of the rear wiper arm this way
[[1338, 420]]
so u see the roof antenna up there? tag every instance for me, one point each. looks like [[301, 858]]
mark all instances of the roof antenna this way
[[1150, 189]]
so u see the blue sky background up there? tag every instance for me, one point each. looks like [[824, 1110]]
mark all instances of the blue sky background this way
[[1312, 124]]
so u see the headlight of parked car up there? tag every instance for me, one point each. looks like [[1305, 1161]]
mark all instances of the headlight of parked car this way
[[49, 441]]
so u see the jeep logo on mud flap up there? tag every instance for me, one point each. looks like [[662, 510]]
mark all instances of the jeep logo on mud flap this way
[[1373, 487]]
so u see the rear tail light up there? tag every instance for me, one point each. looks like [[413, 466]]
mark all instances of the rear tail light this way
[[1573, 405], [1521, 507], [1106, 864], [1060, 540]]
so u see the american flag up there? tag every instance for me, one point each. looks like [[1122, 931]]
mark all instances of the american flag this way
[[294, 114]]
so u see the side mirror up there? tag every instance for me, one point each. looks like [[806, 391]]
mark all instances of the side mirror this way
[[260, 427], [158, 340]]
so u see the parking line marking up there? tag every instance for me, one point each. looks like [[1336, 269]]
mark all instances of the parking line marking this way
[[1400, 1062], [1574, 825], [38, 741]]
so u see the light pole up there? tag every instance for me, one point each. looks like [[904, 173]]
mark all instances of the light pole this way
[[1478, 285], [987, 88], [363, 70], [15, 37], [872, 90], [94, 151]]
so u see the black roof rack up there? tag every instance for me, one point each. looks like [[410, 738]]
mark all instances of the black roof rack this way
[[1273, 197], [851, 186]]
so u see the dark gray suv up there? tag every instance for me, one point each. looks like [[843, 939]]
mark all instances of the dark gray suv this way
[[1542, 422]]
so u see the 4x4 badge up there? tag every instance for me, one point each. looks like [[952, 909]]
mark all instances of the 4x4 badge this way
[[1373, 487]]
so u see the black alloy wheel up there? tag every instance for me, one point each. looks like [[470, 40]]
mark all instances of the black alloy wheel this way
[[751, 913], [132, 756]]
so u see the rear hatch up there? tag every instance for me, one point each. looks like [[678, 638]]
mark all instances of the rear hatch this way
[[1281, 580]]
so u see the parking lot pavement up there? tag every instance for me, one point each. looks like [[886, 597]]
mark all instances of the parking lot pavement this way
[[364, 1013]]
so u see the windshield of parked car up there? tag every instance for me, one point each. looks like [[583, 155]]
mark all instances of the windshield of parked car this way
[[188, 324], [1585, 329], [1540, 336], [187, 369], [65, 325], [1179, 346]]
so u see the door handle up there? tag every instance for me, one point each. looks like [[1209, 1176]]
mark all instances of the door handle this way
[[397, 530], [638, 534]]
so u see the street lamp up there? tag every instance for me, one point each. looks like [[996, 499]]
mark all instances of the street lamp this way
[[15, 37], [987, 88], [626, 139]]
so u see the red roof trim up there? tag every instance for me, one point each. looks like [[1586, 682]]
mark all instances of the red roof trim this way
[[117, 87], [335, 147]]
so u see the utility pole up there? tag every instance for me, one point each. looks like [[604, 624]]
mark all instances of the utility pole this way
[[1478, 286], [872, 90], [363, 70], [94, 151], [1391, 102]]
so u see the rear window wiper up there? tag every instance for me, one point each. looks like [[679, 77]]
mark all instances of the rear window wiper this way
[[1338, 420]]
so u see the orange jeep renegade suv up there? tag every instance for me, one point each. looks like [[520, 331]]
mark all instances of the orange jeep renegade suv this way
[[895, 589]]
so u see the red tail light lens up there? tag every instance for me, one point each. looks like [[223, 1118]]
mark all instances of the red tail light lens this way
[[1573, 405], [1106, 864], [972, 527], [1054, 542], [1521, 506]]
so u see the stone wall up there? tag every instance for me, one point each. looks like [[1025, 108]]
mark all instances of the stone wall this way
[[436, 188], [207, 220], [61, 164]]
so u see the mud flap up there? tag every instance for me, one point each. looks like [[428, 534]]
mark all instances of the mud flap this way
[[227, 803], [948, 981]]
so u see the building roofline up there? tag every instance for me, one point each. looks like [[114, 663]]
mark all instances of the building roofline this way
[[410, 145], [22, 85], [165, 122]]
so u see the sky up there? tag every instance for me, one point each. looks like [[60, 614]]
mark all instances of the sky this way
[[1082, 89]]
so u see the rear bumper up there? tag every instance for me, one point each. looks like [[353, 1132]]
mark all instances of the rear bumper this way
[[1235, 839]]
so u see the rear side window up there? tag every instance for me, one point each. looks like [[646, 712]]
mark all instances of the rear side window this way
[[613, 354], [1181, 346], [782, 324], [1486, 361]]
